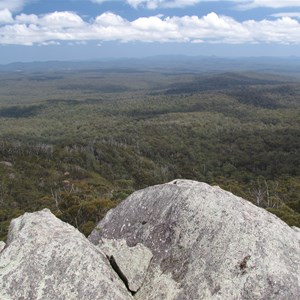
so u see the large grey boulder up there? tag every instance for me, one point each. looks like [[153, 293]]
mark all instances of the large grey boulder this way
[[45, 258], [206, 244]]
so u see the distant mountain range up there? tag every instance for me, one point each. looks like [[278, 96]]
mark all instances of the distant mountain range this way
[[194, 64]]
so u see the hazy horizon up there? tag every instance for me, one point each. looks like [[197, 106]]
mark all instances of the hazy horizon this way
[[168, 57]]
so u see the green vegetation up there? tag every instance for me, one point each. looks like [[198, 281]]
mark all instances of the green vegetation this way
[[80, 143]]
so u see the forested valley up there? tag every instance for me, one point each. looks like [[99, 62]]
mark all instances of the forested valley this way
[[79, 142]]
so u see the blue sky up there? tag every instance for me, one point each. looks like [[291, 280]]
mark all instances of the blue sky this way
[[34, 30]]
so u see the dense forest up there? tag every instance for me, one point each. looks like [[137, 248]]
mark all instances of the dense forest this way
[[80, 142]]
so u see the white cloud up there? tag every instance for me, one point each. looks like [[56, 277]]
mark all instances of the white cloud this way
[[52, 20], [51, 43], [6, 16], [61, 19], [269, 3], [287, 14], [241, 4], [153, 4], [212, 28], [110, 19], [27, 19], [99, 1], [14, 5]]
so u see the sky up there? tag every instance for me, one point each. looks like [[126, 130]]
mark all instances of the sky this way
[[40, 30]]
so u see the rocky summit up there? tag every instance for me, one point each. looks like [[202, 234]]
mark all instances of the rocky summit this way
[[182, 240]]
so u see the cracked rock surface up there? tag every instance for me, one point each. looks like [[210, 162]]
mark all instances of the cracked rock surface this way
[[133, 262], [206, 244], [47, 259], [2, 245]]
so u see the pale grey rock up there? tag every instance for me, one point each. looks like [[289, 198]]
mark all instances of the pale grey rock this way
[[6, 163], [158, 285], [297, 229], [206, 244], [133, 262], [47, 259], [2, 245]]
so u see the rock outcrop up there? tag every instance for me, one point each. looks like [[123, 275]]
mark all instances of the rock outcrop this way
[[184, 240], [45, 258], [206, 244]]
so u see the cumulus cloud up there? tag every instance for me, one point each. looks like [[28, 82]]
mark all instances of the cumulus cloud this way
[[6, 16], [61, 19], [68, 26]]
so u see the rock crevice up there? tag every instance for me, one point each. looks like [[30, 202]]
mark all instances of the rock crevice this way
[[117, 269], [130, 263]]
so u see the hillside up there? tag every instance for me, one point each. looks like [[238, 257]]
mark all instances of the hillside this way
[[80, 142]]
